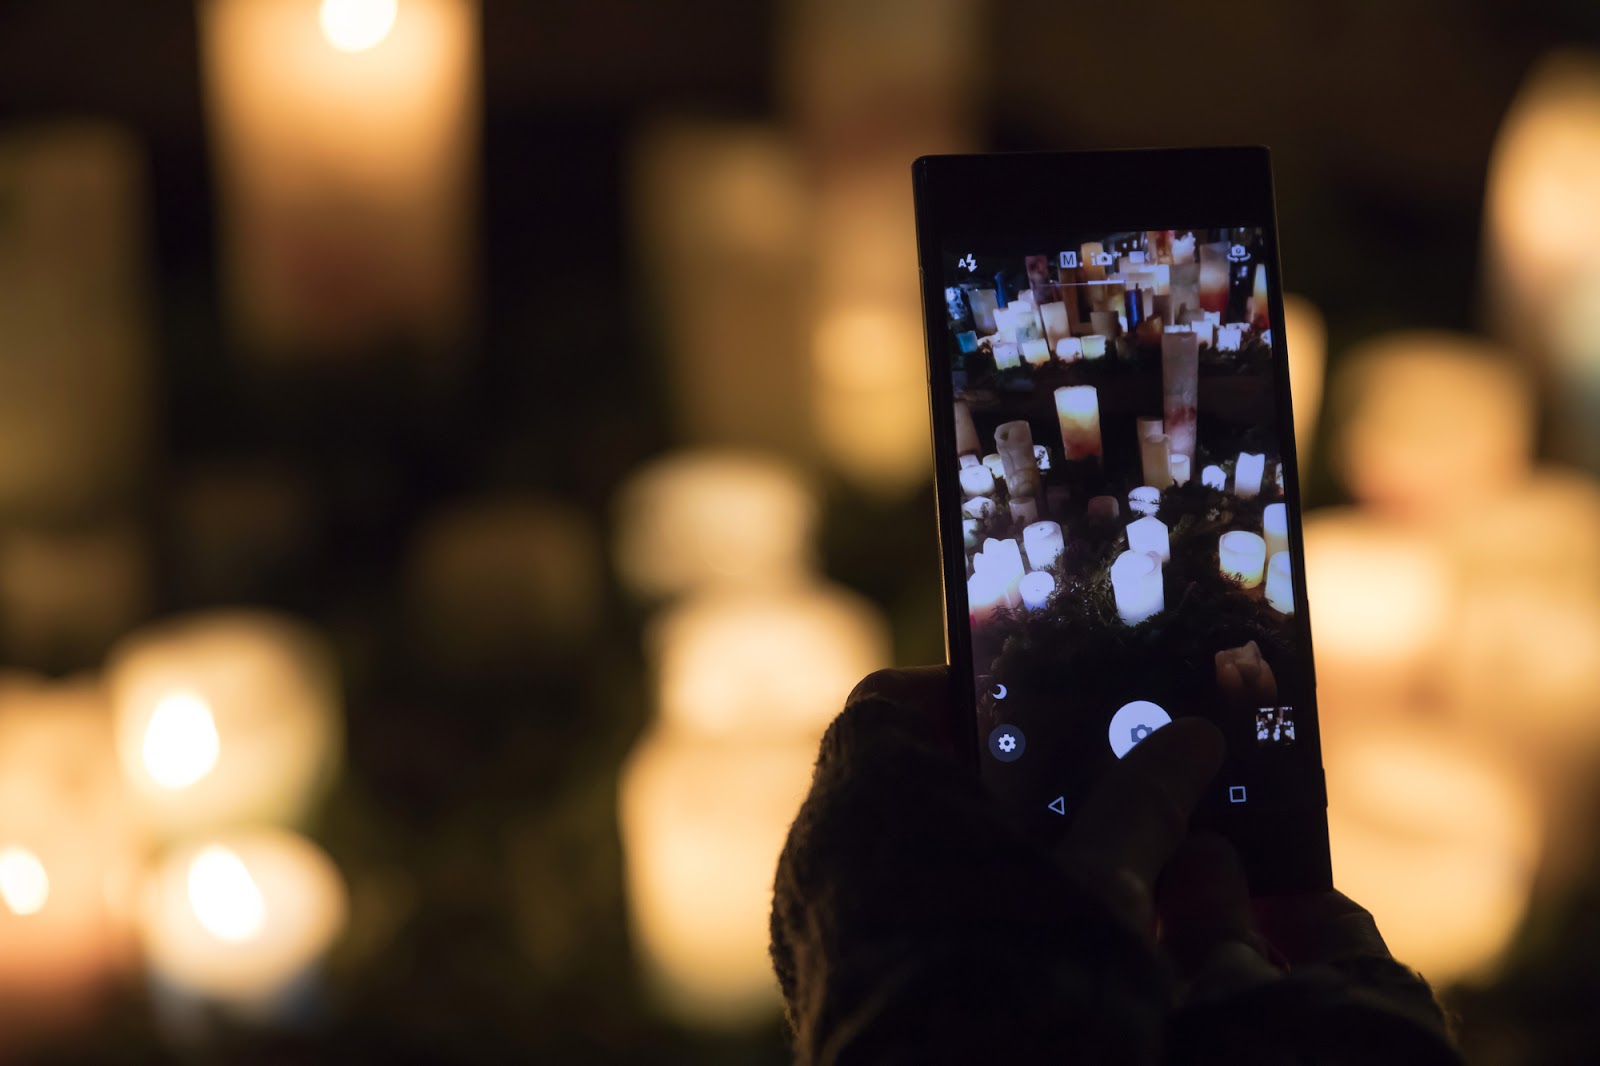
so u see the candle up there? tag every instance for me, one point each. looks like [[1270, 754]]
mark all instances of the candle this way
[[1213, 477], [1245, 679], [1241, 556], [1214, 276], [1003, 560], [987, 595], [1018, 466], [1275, 527], [966, 432], [1280, 586], [1036, 589], [1205, 333], [224, 717], [242, 919], [1102, 509], [712, 519], [983, 303], [1259, 310], [1069, 349], [1229, 338], [1180, 388], [1024, 509], [996, 465], [1044, 543], [1006, 356], [1106, 324], [1247, 474], [1153, 455], [1092, 346], [1057, 327], [977, 481], [1136, 587], [1178, 465], [979, 507], [1144, 500], [968, 460], [1183, 247], [1149, 534], [1306, 338], [346, 153], [1036, 352], [1078, 412], [763, 663], [1041, 456], [969, 534]]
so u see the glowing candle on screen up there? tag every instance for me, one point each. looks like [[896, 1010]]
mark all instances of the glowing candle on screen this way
[[1043, 542], [1153, 454], [1241, 555], [969, 533], [1178, 467], [1036, 351], [996, 465], [1214, 276], [1144, 500], [1036, 589], [1001, 559], [1006, 355], [977, 481], [1260, 311], [1280, 586], [1024, 509], [1275, 527], [1214, 477], [1057, 328], [1069, 349], [1136, 586], [1247, 474], [980, 507], [987, 595], [1092, 346], [1149, 534], [1017, 463], [983, 303], [1180, 386], [966, 432], [1078, 412], [1228, 338]]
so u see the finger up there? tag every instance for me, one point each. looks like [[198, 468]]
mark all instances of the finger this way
[[923, 689], [1203, 904], [1321, 927], [1135, 816]]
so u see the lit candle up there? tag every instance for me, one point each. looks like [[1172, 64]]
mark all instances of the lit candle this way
[[1280, 587], [1214, 269], [243, 919], [1092, 346], [1214, 477], [712, 519], [1144, 500], [1275, 527], [1057, 328], [1017, 463], [1229, 338], [1180, 386], [1178, 466], [969, 534], [977, 481], [995, 465], [1103, 509], [1036, 589], [346, 150], [1153, 455], [968, 460], [1149, 534], [1001, 559], [979, 507], [1244, 678], [1241, 555], [987, 595], [1044, 543], [1041, 456], [1105, 324], [1006, 355], [1036, 351], [966, 432], [1259, 310], [1078, 412], [1069, 349], [983, 303], [1136, 587], [225, 717], [1247, 474]]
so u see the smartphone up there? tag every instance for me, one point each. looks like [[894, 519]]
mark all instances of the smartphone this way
[[1118, 502]]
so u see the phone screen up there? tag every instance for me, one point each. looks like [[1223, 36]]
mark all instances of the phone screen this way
[[1124, 488]]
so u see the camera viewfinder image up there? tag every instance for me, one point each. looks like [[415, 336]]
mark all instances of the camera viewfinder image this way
[[1275, 725]]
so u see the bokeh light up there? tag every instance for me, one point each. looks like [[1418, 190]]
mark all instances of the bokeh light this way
[[24, 884], [357, 25]]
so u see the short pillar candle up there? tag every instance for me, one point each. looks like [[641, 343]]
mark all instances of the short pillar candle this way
[[1043, 542], [977, 481], [1214, 477], [1247, 474], [1036, 589], [1241, 555], [1136, 587], [1153, 456], [1144, 500], [1149, 534]]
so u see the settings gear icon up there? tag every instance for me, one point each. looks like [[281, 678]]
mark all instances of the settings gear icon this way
[[1007, 743]]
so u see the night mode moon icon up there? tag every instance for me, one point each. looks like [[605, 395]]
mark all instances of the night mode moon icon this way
[[999, 692]]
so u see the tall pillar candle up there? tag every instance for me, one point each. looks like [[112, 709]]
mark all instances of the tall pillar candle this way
[[1014, 441], [1275, 528], [1180, 389], [1260, 310], [1043, 542], [966, 432], [1153, 455], [1241, 555], [1136, 587], [1149, 534], [1214, 276], [1247, 474], [1056, 326], [983, 303], [1280, 585], [1078, 412]]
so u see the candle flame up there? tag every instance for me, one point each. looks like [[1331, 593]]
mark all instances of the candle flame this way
[[357, 25], [225, 898], [180, 743], [24, 885]]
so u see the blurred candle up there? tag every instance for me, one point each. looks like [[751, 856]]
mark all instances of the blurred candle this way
[[966, 432], [1275, 527], [869, 399], [1214, 276], [977, 481], [1057, 328], [1069, 349], [346, 164], [713, 519], [1014, 440], [1078, 412], [983, 302], [1036, 589], [1043, 542], [1306, 337], [1280, 584], [1214, 477], [1136, 586], [1247, 474], [1092, 346], [1006, 356], [225, 717], [1153, 455], [1003, 560], [1180, 385], [1036, 352], [1144, 500], [1178, 466], [1228, 338], [1149, 534], [1105, 324], [1041, 457], [995, 465], [244, 919], [1241, 556], [1259, 310]]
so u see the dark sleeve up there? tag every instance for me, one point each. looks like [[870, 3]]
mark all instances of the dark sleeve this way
[[910, 924]]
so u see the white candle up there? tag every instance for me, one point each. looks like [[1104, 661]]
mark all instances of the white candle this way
[[1247, 474], [969, 460], [1044, 543], [982, 302], [1149, 534], [1006, 355], [346, 155], [1205, 333], [977, 481], [987, 595], [1103, 509], [1092, 346], [1041, 456], [1153, 454], [1178, 466], [1069, 349], [1136, 587], [1214, 477], [1017, 464], [1241, 555], [967, 444], [1003, 560], [1036, 589], [969, 534], [1057, 327], [1078, 412], [1144, 500], [1036, 351], [1280, 586], [1024, 509], [996, 465], [1229, 338], [979, 507], [1275, 527], [225, 717], [1180, 386], [1259, 310], [243, 918], [1106, 324]]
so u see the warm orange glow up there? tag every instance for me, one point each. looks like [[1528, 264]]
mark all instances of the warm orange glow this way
[[357, 25], [180, 744], [871, 400], [24, 884], [225, 898], [1306, 337]]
